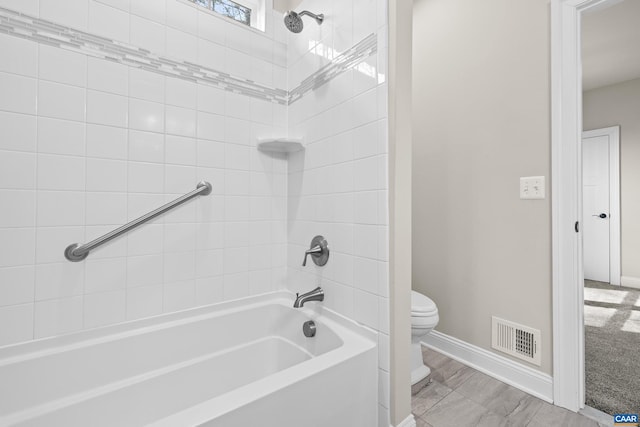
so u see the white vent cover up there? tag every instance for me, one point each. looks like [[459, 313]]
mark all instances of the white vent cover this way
[[516, 340]]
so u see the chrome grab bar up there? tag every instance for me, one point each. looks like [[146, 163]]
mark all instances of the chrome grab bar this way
[[76, 253]]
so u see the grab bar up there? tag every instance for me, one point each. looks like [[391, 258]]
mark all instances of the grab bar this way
[[77, 253]]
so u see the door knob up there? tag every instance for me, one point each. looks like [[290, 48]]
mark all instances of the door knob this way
[[602, 215]]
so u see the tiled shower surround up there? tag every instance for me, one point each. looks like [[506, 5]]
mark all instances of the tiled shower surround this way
[[338, 185], [90, 143], [111, 108]]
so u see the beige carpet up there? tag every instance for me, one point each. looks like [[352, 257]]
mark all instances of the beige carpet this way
[[612, 347]]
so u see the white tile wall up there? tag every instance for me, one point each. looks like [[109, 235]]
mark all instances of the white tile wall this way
[[73, 13], [87, 144], [338, 185]]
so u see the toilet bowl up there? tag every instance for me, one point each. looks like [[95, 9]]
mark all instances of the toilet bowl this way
[[424, 317]]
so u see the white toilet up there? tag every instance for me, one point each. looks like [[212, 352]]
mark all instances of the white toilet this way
[[424, 317]]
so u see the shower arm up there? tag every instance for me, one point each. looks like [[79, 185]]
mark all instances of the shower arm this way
[[319, 18]]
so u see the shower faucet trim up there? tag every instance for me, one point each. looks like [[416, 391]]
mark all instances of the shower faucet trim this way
[[319, 251]]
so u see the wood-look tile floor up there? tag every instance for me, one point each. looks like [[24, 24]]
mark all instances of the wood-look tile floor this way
[[461, 396]]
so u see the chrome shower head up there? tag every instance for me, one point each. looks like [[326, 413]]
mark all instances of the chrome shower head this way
[[293, 20]]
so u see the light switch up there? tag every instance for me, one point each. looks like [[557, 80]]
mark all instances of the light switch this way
[[532, 187]]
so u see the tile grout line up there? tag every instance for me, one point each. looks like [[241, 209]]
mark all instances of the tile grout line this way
[[438, 401], [35, 206]]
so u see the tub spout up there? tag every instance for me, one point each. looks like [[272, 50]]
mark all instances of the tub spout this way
[[315, 295]]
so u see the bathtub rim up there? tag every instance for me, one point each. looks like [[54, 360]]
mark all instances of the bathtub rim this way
[[210, 409], [42, 347], [356, 340], [359, 341]]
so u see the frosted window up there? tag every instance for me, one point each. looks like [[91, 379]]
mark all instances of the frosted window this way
[[228, 8]]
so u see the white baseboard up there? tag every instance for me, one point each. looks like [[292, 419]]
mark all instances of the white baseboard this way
[[527, 379], [630, 282], [408, 422]]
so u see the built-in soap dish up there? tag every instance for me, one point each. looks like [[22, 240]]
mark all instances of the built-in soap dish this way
[[280, 145]]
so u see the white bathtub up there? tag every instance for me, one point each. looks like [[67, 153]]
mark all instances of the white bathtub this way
[[241, 363]]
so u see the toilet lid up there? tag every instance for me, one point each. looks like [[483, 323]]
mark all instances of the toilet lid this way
[[421, 304]]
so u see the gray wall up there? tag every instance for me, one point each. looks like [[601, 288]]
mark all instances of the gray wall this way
[[481, 120], [613, 105]]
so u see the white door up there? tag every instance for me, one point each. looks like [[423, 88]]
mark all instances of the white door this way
[[595, 184]]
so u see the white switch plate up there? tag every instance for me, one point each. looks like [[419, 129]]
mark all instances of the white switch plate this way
[[532, 187]]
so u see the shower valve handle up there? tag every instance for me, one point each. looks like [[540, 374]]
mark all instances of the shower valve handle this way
[[314, 250], [318, 250]]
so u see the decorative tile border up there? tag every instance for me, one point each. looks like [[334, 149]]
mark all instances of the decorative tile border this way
[[52, 34], [341, 63], [47, 32]]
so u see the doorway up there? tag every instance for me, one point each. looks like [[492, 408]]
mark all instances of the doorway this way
[[610, 97], [568, 217]]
